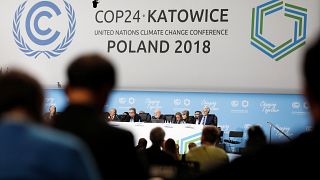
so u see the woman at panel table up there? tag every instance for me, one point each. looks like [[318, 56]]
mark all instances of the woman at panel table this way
[[178, 119], [185, 116]]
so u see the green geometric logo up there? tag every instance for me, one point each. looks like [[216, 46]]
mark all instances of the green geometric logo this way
[[296, 13], [183, 143]]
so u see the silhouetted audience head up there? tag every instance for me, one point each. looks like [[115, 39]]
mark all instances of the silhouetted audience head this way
[[90, 80], [210, 135], [171, 148], [142, 145], [192, 145], [312, 80], [256, 139], [157, 136], [20, 92]]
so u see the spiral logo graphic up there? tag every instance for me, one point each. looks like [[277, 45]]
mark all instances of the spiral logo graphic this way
[[37, 35]]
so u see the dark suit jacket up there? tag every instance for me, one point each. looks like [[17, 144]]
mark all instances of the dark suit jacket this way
[[212, 119], [145, 117], [112, 148], [192, 120], [155, 156], [136, 118]]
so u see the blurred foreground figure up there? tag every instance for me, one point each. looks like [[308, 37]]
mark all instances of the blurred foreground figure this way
[[289, 160], [29, 151], [91, 80]]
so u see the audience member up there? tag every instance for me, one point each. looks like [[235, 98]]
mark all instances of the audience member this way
[[208, 155], [256, 139], [192, 145], [154, 154], [171, 148], [91, 79], [29, 151], [142, 145]]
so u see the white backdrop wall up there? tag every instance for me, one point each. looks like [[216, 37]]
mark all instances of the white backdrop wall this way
[[232, 64]]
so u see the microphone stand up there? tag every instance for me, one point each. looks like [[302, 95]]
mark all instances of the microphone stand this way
[[272, 125]]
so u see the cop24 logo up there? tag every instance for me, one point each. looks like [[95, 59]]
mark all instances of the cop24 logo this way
[[278, 50], [42, 40]]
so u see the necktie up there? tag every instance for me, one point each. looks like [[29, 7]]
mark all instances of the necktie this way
[[201, 121], [204, 120]]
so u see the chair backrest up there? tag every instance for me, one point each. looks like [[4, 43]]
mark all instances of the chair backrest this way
[[236, 134], [169, 117], [215, 119], [145, 117], [221, 136], [122, 117], [236, 137]]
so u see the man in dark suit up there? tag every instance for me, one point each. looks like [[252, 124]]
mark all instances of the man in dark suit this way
[[133, 116], [208, 119], [154, 154], [196, 120], [91, 79], [293, 159]]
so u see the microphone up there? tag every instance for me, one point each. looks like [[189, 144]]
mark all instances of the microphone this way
[[279, 130]]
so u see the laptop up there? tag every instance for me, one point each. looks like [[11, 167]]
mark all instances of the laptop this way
[[157, 120]]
